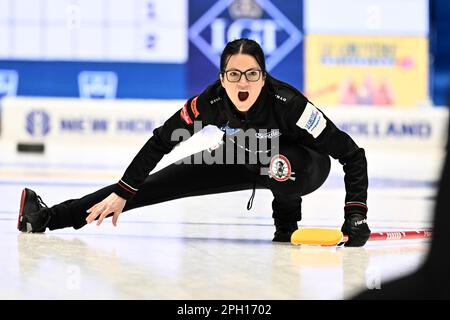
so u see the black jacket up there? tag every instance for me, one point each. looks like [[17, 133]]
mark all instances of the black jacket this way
[[280, 107]]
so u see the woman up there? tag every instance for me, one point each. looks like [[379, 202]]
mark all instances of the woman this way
[[286, 147]]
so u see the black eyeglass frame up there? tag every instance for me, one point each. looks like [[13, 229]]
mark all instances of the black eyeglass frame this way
[[242, 73]]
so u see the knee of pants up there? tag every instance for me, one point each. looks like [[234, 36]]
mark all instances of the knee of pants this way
[[287, 207], [297, 170]]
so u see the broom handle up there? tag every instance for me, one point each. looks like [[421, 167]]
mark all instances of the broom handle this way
[[397, 235]]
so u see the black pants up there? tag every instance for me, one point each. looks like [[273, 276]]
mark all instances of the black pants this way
[[309, 170]]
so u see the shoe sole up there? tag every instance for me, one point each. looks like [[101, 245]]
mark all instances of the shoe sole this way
[[22, 202]]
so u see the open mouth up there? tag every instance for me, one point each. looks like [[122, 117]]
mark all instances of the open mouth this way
[[243, 95]]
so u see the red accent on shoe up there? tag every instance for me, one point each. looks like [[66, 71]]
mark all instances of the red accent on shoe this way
[[22, 202]]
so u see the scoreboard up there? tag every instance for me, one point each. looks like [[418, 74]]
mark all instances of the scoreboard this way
[[336, 51], [94, 30]]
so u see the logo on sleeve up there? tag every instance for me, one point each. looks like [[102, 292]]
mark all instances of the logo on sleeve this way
[[194, 107], [185, 115], [312, 120]]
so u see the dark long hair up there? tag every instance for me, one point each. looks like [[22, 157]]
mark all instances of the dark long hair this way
[[243, 46]]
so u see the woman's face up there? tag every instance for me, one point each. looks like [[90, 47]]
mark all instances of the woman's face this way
[[243, 93]]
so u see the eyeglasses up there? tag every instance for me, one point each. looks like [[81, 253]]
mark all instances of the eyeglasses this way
[[251, 75]]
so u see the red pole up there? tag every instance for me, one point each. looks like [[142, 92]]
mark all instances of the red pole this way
[[397, 235]]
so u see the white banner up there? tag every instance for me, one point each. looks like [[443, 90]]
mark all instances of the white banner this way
[[417, 129], [28, 120], [367, 17], [116, 122]]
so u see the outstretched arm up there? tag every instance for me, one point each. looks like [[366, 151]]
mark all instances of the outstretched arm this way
[[145, 161], [160, 144], [316, 130]]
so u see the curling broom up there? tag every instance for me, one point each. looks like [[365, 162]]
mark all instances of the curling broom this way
[[334, 237]]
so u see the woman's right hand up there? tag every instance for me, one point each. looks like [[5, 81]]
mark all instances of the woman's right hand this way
[[111, 204]]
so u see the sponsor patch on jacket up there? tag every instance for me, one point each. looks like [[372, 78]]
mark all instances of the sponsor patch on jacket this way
[[280, 168], [312, 120], [185, 115], [272, 134], [194, 107], [215, 100]]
